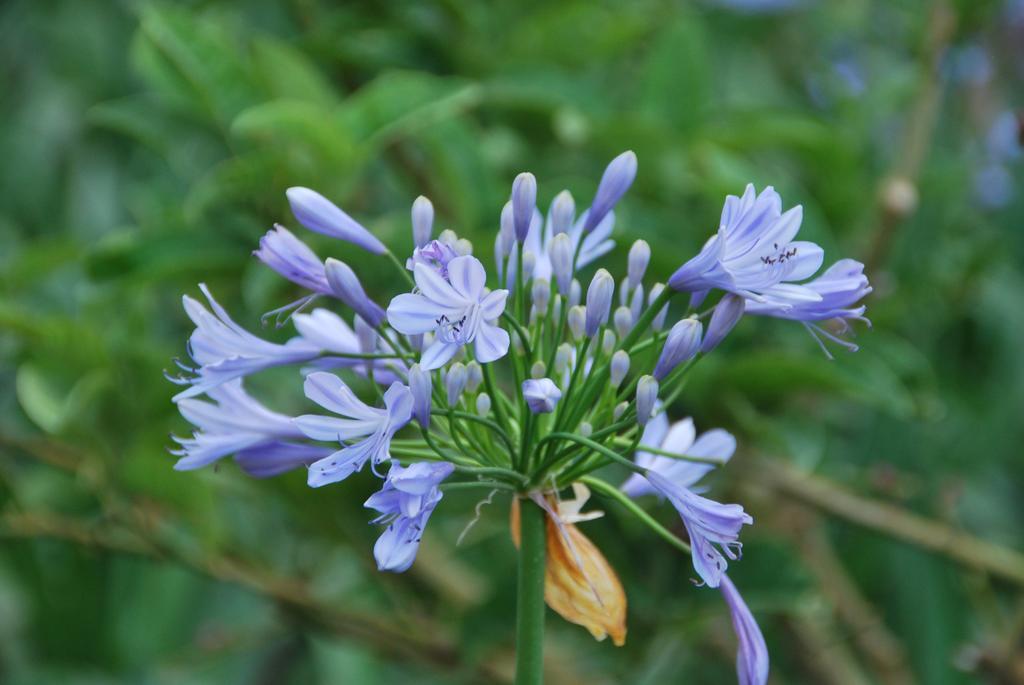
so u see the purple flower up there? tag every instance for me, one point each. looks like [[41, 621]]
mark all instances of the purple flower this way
[[726, 315], [840, 287], [372, 427], [752, 656], [422, 221], [225, 351], [421, 386], [405, 503], [713, 527], [456, 309], [679, 438], [346, 287], [752, 252], [599, 301], [524, 203], [539, 242], [435, 254], [617, 179], [317, 213], [274, 458], [232, 424], [287, 255], [681, 345], [541, 395]]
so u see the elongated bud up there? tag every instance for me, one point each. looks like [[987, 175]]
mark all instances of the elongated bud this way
[[563, 213], [560, 253], [366, 335], [727, 314], [541, 395], [415, 341], [538, 369], [524, 202], [577, 322], [455, 382], [346, 287], [540, 293], [646, 396], [499, 259], [617, 179], [463, 247], [681, 345], [563, 357], [619, 410], [474, 376], [448, 237], [483, 404], [586, 430], [575, 293], [422, 221], [639, 258], [420, 386], [556, 308], [659, 319], [599, 301], [608, 342], [317, 213], [636, 303], [507, 232], [529, 262], [619, 367], [624, 291], [623, 321]]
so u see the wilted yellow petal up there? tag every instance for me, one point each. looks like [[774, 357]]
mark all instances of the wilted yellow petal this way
[[579, 584]]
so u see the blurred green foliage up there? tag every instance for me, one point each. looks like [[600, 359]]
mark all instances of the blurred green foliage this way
[[147, 146]]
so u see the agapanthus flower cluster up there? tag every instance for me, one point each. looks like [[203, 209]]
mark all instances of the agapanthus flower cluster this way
[[541, 375]]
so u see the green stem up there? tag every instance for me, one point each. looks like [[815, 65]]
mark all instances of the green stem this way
[[613, 492], [530, 597]]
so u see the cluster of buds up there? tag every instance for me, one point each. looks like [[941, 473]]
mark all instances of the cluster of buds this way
[[533, 382]]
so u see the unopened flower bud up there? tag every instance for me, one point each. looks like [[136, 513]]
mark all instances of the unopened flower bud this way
[[529, 262], [585, 430], [422, 221], [646, 396], [681, 345], [727, 314], [556, 308], [455, 382], [563, 357], [619, 410], [366, 335], [561, 253], [563, 213], [608, 341], [507, 232], [624, 291], [623, 321], [577, 321], [619, 367], [448, 237], [636, 266], [636, 303], [517, 344], [541, 395], [463, 247], [575, 293], [538, 369], [659, 320], [599, 301], [474, 376], [524, 202], [420, 386], [483, 404], [346, 287], [541, 294], [415, 341], [614, 183]]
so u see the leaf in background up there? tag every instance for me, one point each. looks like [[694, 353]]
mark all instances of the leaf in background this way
[[50, 406], [288, 74], [296, 129]]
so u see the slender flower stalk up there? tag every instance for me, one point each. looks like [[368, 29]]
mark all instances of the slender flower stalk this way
[[511, 382]]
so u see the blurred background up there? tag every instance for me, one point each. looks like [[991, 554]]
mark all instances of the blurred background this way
[[147, 146]]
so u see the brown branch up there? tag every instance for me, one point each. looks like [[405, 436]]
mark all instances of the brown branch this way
[[891, 520]]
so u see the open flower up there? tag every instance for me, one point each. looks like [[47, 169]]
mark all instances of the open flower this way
[[405, 503], [679, 438], [714, 528], [235, 423], [753, 252], [287, 255], [372, 427], [457, 310]]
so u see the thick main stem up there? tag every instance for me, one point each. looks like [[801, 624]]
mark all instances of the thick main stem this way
[[530, 595]]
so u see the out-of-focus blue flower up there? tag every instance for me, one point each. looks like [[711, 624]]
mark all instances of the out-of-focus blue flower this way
[[679, 438], [616, 180], [435, 254], [752, 655], [455, 309], [714, 528], [329, 333], [317, 213], [405, 503], [373, 425], [225, 351], [287, 255], [346, 287], [541, 395], [232, 424], [753, 252], [726, 315], [841, 287], [646, 398], [274, 458], [421, 386]]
